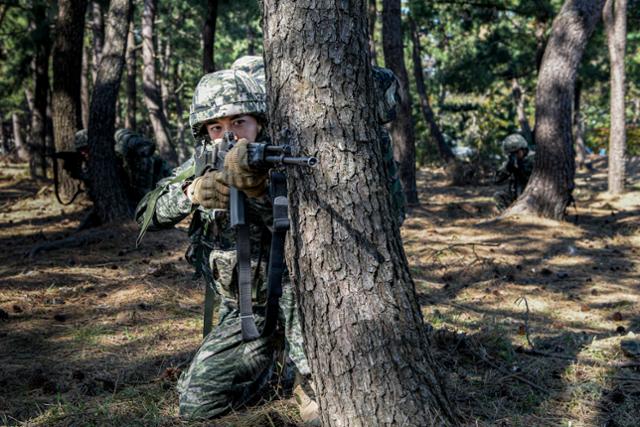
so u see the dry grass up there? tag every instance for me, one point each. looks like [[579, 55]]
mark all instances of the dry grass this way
[[97, 334]]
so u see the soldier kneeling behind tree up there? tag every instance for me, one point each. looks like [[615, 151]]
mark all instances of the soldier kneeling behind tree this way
[[515, 170]]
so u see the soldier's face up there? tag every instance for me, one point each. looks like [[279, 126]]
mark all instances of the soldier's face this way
[[243, 126]]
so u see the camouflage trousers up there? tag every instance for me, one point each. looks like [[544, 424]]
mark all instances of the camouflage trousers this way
[[504, 199], [226, 372]]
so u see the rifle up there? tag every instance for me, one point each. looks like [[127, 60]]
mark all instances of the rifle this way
[[261, 156]]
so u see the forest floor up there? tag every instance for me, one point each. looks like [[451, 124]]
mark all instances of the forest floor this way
[[533, 320]]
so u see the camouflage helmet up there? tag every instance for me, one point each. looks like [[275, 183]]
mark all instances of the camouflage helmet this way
[[252, 65], [386, 86], [81, 139], [513, 143], [130, 142], [225, 93]]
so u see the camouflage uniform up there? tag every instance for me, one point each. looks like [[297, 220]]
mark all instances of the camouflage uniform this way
[[225, 372], [513, 170], [143, 168], [386, 85], [252, 65]]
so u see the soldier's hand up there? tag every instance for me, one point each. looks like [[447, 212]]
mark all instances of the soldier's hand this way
[[237, 172], [209, 191]]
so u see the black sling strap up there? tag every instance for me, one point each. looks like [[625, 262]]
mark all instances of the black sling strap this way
[[276, 255]]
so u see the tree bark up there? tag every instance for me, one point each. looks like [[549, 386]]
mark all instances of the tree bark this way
[[518, 100], [38, 144], [208, 36], [97, 28], [165, 66], [21, 149], [84, 86], [578, 128], [106, 186], [402, 131], [373, 17], [67, 73], [364, 333], [152, 98], [615, 22], [551, 184], [427, 113], [130, 118]]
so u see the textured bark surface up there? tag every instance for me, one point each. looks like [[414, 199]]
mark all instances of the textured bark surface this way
[[130, 117], [151, 91], [373, 17], [97, 29], [37, 144], [84, 86], [578, 128], [208, 37], [67, 70], [402, 132], [615, 22], [18, 141], [552, 181], [427, 112], [518, 100], [107, 189], [363, 329]]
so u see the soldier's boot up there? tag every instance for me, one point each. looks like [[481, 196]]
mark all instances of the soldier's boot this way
[[309, 410]]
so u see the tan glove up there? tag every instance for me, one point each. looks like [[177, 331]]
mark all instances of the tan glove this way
[[237, 172], [209, 191]]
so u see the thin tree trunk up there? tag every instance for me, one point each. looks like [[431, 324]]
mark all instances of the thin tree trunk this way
[[443, 149], [518, 100], [130, 118], [550, 187], [4, 141], [152, 98], [106, 184], [18, 141], [183, 152], [164, 75], [208, 37], [67, 73], [615, 21], [373, 16], [84, 86], [364, 333], [38, 164], [402, 131], [251, 40], [578, 128], [97, 28]]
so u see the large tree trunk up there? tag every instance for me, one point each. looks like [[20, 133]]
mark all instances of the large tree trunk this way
[[615, 21], [208, 36], [518, 100], [18, 141], [443, 149], [152, 98], [107, 187], [402, 132], [67, 71], [38, 161], [97, 28], [373, 16], [363, 329], [552, 181], [84, 86], [130, 117]]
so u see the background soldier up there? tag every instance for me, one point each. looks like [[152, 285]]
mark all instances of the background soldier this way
[[516, 170]]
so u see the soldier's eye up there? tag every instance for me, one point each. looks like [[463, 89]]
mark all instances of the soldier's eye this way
[[239, 122]]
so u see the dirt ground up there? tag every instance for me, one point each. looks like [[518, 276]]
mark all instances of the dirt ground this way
[[533, 321]]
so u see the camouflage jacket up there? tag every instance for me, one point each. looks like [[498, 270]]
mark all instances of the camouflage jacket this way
[[516, 172], [395, 187], [212, 248]]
